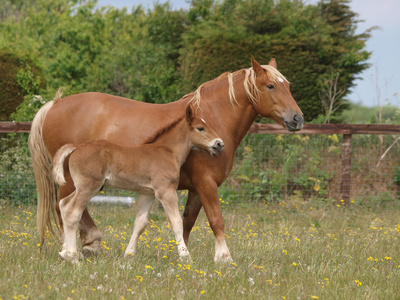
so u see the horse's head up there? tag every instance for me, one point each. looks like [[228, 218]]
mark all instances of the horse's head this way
[[201, 135], [272, 97]]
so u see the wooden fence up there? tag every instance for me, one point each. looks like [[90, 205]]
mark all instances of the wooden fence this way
[[347, 130]]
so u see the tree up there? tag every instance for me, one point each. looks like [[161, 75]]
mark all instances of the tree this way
[[307, 41], [330, 96], [20, 77]]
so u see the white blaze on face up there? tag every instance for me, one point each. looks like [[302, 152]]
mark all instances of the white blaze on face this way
[[280, 79], [203, 121]]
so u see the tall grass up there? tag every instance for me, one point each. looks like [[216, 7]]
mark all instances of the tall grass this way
[[294, 249]]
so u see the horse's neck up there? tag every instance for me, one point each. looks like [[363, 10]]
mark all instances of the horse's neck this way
[[176, 140], [232, 120]]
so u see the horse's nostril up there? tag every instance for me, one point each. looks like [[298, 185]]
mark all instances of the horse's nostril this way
[[297, 118]]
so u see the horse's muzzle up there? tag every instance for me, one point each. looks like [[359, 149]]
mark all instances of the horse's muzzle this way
[[218, 146], [296, 123]]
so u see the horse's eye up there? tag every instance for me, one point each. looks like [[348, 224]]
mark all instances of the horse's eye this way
[[270, 87], [200, 128]]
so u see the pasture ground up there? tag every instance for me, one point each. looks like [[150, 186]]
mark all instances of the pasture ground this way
[[290, 250]]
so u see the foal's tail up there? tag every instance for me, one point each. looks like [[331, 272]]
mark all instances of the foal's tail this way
[[45, 185], [58, 163]]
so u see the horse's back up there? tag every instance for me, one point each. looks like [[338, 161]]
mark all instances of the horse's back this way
[[89, 116]]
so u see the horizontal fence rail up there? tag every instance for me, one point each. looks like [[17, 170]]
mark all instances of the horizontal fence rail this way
[[261, 128], [328, 129], [321, 160]]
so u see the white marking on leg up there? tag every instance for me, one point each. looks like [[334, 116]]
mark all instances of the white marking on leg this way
[[222, 253]]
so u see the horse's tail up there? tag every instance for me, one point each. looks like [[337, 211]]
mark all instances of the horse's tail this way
[[58, 162], [45, 184]]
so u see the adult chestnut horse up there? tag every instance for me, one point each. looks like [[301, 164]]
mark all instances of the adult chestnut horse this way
[[229, 104]]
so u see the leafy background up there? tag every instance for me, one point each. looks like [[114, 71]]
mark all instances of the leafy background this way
[[159, 55]]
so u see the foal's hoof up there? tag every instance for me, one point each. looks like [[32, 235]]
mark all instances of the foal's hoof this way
[[223, 259], [129, 255], [73, 257], [186, 259], [92, 249]]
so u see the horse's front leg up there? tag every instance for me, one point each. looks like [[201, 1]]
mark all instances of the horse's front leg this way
[[169, 200], [142, 219], [207, 190]]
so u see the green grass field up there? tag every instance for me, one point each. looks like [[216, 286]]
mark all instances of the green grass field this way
[[287, 250]]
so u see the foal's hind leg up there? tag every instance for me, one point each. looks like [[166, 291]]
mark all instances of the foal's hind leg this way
[[142, 219], [89, 233], [70, 218], [169, 200], [72, 208]]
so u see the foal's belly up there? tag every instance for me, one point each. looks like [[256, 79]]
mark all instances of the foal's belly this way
[[141, 186]]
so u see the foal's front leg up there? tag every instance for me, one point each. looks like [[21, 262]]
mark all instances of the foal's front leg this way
[[145, 202], [169, 200]]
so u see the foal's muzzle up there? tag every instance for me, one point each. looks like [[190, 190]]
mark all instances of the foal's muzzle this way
[[296, 123], [217, 146]]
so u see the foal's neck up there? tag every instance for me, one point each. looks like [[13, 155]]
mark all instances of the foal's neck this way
[[176, 140]]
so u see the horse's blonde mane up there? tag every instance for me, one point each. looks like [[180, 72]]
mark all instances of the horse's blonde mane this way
[[249, 84]]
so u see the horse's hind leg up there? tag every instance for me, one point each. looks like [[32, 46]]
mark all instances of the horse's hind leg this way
[[90, 235], [192, 209], [142, 219]]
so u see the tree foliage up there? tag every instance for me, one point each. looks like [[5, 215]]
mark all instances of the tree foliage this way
[[161, 54], [19, 77]]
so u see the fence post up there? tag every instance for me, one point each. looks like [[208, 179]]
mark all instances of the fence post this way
[[346, 169]]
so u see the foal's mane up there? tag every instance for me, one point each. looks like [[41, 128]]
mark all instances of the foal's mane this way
[[249, 84], [163, 130]]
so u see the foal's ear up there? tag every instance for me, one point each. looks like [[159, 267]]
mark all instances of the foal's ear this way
[[273, 63], [189, 114], [256, 66]]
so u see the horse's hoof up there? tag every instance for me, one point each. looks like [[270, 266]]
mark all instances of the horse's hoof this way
[[90, 250]]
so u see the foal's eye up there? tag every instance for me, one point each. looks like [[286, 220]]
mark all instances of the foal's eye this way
[[200, 128], [270, 87]]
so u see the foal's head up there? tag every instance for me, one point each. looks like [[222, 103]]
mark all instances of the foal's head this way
[[201, 135]]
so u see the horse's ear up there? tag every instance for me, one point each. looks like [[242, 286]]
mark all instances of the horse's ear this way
[[273, 63], [256, 66], [189, 114]]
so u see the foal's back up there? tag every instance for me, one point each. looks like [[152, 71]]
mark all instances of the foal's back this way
[[133, 168]]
